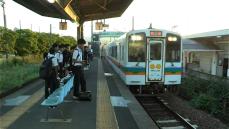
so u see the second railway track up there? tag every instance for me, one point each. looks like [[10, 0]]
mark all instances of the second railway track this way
[[164, 117]]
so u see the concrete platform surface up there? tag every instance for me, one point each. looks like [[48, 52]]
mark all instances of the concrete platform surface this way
[[112, 106]]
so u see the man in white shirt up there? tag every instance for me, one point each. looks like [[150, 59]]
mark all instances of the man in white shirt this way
[[77, 68], [60, 60], [51, 83]]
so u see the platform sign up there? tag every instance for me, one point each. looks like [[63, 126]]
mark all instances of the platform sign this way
[[62, 25], [99, 25], [105, 26]]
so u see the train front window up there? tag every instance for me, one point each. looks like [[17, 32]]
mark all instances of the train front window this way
[[155, 51], [173, 48], [136, 48]]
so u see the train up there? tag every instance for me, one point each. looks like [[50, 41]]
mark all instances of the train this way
[[147, 56]]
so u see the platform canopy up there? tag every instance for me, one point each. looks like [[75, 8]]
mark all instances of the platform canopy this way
[[77, 10]]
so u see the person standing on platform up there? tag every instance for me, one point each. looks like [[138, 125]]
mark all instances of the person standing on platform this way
[[66, 59], [60, 60], [85, 53], [51, 84], [77, 68]]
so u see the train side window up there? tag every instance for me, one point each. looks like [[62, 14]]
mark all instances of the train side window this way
[[173, 50], [155, 51], [136, 48], [114, 51]]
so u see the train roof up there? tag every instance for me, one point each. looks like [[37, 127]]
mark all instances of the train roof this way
[[141, 30], [149, 29]]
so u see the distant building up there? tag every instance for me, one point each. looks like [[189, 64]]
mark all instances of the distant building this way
[[102, 38], [207, 52], [106, 36]]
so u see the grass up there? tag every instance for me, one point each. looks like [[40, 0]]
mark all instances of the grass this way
[[16, 72]]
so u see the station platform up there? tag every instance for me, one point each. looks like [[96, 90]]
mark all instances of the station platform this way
[[112, 106]]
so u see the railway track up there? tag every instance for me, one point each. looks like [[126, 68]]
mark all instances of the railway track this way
[[163, 116]]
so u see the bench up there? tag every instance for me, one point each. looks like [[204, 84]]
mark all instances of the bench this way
[[57, 97]]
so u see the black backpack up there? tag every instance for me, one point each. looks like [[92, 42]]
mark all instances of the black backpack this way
[[46, 69]]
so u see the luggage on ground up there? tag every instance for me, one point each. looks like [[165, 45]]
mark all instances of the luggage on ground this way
[[85, 96]]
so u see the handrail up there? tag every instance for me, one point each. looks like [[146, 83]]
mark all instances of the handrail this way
[[207, 76]]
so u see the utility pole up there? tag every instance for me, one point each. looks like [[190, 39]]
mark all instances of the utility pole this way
[[174, 27], [31, 27], [4, 17], [4, 14], [91, 31], [132, 22], [20, 24], [50, 27]]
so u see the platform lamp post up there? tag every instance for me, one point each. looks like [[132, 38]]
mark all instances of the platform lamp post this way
[[4, 14]]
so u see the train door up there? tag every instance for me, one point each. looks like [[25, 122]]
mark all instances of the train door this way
[[154, 63], [225, 67]]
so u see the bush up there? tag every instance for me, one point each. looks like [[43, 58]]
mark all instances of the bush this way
[[17, 71], [13, 76], [219, 89], [207, 103], [187, 90], [207, 95], [16, 61]]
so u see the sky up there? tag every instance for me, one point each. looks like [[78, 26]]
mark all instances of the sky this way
[[189, 17]]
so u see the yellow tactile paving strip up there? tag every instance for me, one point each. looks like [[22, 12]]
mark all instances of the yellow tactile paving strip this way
[[105, 116], [10, 117]]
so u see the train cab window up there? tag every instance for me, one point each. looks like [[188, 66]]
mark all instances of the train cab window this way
[[136, 47], [155, 51], [173, 48]]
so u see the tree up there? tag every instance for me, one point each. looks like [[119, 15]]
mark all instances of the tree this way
[[7, 40], [44, 42], [67, 40], [26, 42]]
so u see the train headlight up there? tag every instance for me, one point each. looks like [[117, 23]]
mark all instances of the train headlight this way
[[174, 38], [170, 38], [136, 37]]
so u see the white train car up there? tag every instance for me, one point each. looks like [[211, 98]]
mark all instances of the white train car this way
[[142, 57]]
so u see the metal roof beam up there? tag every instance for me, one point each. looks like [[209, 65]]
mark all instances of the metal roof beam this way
[[99, 5], [66, 6]]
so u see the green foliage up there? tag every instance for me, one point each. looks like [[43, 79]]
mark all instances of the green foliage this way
[[26, 42], [187, 90], [66, 40], [44, 42], [7, 40], [14, 73], [206, 95], [15, 61], [203, 101], [218, 89], [30, 45]]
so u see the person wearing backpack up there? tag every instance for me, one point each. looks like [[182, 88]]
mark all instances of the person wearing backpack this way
[[60, 60], [77, 68], [52, 81]]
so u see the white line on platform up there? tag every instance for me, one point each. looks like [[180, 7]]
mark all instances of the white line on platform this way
[[50, 120]]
